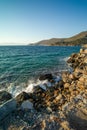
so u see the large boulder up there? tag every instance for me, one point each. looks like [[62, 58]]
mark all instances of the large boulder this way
[[7, 108], [22, 97], [46, 77], [4, 96], [78, 119]]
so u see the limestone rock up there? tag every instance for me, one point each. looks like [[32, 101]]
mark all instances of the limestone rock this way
[[66, 85]]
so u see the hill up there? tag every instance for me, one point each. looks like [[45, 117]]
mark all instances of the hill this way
[[79, 39]]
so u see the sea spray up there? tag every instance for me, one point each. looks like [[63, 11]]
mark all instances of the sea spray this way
[[15, 90]]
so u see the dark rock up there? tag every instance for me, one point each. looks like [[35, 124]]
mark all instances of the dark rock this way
[[22, 97], [61, 84], [7, 108], [70, 60], [46, 76], [4, 96], [78, 120]]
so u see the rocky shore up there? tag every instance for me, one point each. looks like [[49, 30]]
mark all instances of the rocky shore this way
[[59, 104]]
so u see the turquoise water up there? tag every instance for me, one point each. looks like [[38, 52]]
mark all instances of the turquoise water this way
[[19, 64]]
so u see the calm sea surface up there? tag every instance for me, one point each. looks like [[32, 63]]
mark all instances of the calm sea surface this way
[[19, 64]]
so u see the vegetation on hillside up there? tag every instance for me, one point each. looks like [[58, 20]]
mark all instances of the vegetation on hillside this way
[[79, 39]]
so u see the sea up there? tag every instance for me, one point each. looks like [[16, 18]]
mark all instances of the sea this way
[[21, 65]]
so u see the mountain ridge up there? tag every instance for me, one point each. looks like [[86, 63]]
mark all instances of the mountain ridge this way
[[78, 39]]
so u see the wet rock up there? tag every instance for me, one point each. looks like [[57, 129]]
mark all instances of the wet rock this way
[[46, 76], [26, 105], [7, 108], [61, 84], [43, 86], [22, 97], [78, 120], [4, 96]]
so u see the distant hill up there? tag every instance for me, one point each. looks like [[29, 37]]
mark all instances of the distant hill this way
[[79, 39]]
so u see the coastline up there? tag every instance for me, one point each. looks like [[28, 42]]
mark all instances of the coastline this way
[[57, 102]]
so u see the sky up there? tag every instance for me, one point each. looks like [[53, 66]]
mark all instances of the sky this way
[[28, 21]]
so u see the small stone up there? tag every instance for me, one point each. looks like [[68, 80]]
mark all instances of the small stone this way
[[58, 97], [49, 109], [81, 50], [66, 85], [82, 79], [71, 76]]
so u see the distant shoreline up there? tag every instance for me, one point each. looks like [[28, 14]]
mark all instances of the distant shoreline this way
[[77, 40]]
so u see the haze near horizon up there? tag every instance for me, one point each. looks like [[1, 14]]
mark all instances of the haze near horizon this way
[[28, 21]]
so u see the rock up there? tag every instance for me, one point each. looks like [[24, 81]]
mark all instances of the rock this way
[[78, 120], [66, 85], [26, 105], [58, 97], [82, 79], [71, 76], [65, 76], [49, 110], [61, 84], [81, 50], [46, 76], [4, 96], [57, 79], [65, 125], [7, 108], [43, 86], [22, 97]]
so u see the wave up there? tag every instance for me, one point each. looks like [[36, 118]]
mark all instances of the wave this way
[[16, 90], [66, 58]]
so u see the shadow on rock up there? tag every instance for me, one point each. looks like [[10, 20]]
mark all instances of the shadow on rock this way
[[78, 120]]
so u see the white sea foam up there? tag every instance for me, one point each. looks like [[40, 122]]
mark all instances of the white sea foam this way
[[15, 90], [57, 79], [29, 88], [66, 58]]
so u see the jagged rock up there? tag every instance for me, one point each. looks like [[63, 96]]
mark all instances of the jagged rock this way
[[4, 96], [22, 97], [46, 76]]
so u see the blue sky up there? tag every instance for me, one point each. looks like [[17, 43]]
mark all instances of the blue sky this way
[[27, 21]]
